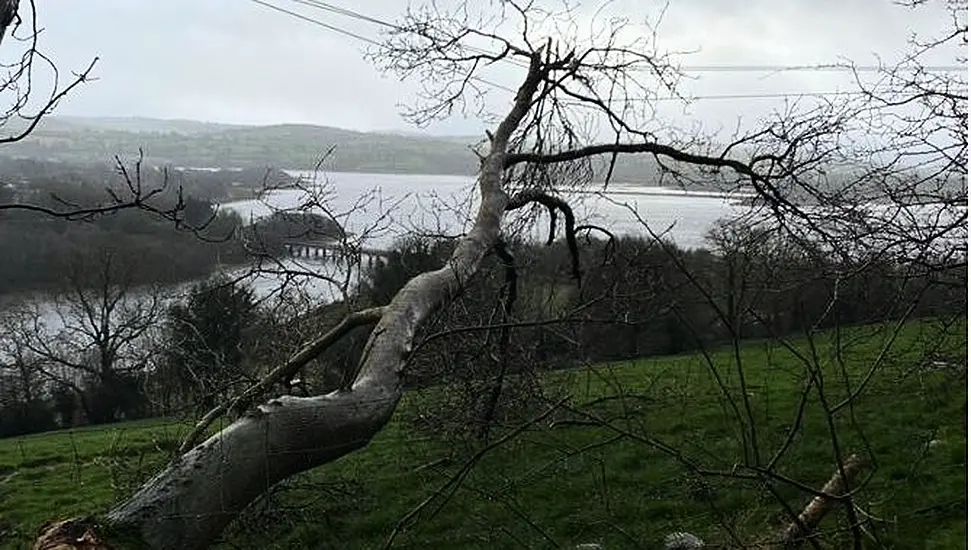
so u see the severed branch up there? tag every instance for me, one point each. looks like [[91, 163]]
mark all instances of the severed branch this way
[[553, 204], [611, 245], [835, 490], [285, 371]]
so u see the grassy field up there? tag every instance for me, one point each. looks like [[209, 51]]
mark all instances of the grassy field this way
[[618, 463]]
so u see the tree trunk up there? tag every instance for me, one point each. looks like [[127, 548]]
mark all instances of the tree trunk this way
[[192, 501]]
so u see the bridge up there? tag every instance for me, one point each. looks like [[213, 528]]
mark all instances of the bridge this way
[[323, 249]]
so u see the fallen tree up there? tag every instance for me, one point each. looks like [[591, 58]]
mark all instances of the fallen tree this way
[[535, 143], [188, 504]]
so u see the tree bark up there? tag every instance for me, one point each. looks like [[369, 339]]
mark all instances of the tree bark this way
[[796, 533], [192, 501]]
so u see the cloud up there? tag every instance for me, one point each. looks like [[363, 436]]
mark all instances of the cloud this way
[[237, 61]]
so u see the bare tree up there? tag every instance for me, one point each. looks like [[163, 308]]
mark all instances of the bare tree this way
[[88, 338], [21, 385], [894, 184], [549, 134]]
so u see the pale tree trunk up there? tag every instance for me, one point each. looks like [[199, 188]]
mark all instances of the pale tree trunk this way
[[189, 504]]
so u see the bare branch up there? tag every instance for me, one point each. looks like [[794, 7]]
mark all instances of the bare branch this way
[[553, 203], [306, 354]]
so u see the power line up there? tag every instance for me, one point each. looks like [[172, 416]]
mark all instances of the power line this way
[[317, 4], [351, 34], [389, 25], [318, 22], [819, 67], [346, 12], [809, 68]]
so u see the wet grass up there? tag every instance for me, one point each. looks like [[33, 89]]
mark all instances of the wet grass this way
[[622, 462]]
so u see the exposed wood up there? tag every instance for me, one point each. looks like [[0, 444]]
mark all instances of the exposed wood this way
[[73, 534]]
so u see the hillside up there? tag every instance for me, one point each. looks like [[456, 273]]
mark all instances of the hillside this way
[[600, 470], [300, 146], [199, 144], [135, 125], [285, 146]]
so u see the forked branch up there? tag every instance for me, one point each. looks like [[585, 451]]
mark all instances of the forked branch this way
[[285, 371]]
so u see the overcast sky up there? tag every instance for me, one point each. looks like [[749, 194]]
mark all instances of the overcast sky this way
[[237, 61]]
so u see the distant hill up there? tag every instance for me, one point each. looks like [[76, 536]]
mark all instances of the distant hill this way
[[136, 125], [204, 144], [286, 146], [195, 144]]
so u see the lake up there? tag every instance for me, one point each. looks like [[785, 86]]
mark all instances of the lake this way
[[386, 206], [380, 208]]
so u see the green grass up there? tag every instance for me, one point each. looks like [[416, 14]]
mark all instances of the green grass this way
[[624, 483]]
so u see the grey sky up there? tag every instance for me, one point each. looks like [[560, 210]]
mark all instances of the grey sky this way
[[236, 61]]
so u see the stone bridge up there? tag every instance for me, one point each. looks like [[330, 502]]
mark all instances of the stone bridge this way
[[324, 249]]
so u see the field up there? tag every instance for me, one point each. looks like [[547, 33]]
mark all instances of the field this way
[[622, 461]]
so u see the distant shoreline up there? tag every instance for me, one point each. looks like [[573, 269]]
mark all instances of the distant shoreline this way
[[652, 190], [615, 188]]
